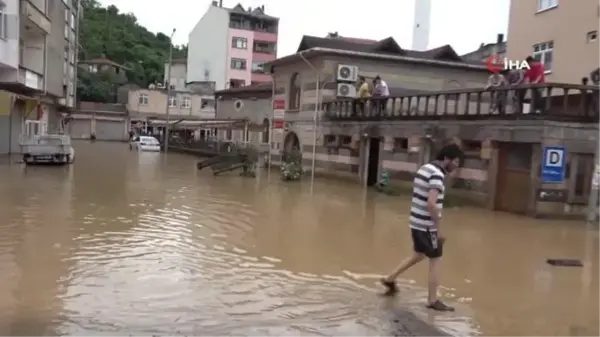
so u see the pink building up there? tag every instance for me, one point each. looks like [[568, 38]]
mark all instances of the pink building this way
[[251, 40]]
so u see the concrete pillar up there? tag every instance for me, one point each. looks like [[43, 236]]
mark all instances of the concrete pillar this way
[[489, 149]]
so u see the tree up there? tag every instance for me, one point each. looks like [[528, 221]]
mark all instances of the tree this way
[[104, 31]]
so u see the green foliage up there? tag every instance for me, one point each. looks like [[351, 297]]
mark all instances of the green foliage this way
[[119, 37], [291, 167], [96, 87]]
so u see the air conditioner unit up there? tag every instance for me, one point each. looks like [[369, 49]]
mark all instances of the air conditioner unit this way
[[347, 73], [346, 90]]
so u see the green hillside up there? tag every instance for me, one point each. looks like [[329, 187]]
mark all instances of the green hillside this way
[[118, 36]]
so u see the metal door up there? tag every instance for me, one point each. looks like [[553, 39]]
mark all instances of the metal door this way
[[110, 130], [80, 128]]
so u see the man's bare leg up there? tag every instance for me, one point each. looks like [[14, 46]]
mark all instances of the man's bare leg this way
[[389, 281], [432, 287], [432, 283]]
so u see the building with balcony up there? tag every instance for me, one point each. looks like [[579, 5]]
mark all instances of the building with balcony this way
[[229, 46], [38, 76], [561, 34], [436, 97]]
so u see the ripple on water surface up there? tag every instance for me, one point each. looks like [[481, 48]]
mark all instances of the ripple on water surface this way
[[187, 270], [180, 258]]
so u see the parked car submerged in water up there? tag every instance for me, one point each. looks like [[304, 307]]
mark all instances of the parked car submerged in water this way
[[48, 149], [144, 143]]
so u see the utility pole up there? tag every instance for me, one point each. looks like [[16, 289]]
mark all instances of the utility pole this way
[[168, 124]]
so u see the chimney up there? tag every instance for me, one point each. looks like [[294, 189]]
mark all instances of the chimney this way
[[249, 9], [215, 3], [500, 38], [262, 8], [220, 3]]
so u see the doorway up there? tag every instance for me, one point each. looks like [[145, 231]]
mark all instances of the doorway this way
[[373, 163], [513, 181]]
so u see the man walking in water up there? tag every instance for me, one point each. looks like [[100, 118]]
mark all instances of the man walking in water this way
[[424, 222]]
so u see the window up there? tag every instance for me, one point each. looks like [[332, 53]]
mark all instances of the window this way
[[294, 92], [235, 83], [143, 99], [238, 64], [172, 102], [400, 145], [264, 47], [239, 43], [66, 15], [207, 103], [93, 68], [592, 36], [72, 21], [187, 103], [543, 52], [66, 32], [546, 4], [258, 67]]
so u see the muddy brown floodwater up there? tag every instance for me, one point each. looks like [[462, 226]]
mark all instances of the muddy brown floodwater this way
[[128, 243]]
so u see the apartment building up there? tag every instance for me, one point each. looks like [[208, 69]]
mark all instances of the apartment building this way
[[38, 56], [561, 34], [229, 46], [146, 104]]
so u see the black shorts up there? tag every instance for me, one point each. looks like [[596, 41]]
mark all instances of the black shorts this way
[[427, 243]]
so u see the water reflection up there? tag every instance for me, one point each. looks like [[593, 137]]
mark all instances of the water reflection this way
[[123, 242]]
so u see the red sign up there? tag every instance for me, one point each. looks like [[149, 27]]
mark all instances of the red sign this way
[[278, 104], [278, 124]]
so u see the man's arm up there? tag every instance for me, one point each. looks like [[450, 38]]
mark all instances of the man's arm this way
[[436, 186], [489, 83]]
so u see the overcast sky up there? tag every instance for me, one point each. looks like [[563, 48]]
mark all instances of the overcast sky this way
[[464, 24]]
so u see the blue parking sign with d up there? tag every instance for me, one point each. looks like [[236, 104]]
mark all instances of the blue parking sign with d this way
[[554, 164]]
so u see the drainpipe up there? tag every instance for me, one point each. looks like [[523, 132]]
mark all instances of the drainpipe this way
[[315, 118]]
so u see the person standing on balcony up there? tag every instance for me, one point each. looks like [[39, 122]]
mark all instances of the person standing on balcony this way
[[424, 222], [364, 92], [381, 93], [536, 74], [498, 98]]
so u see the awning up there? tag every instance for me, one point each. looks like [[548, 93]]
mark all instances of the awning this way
[[185, 124]]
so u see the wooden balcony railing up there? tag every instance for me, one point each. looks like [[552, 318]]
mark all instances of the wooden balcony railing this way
[[550, 101]]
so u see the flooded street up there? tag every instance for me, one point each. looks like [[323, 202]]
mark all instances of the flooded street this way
[[128, 243]]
